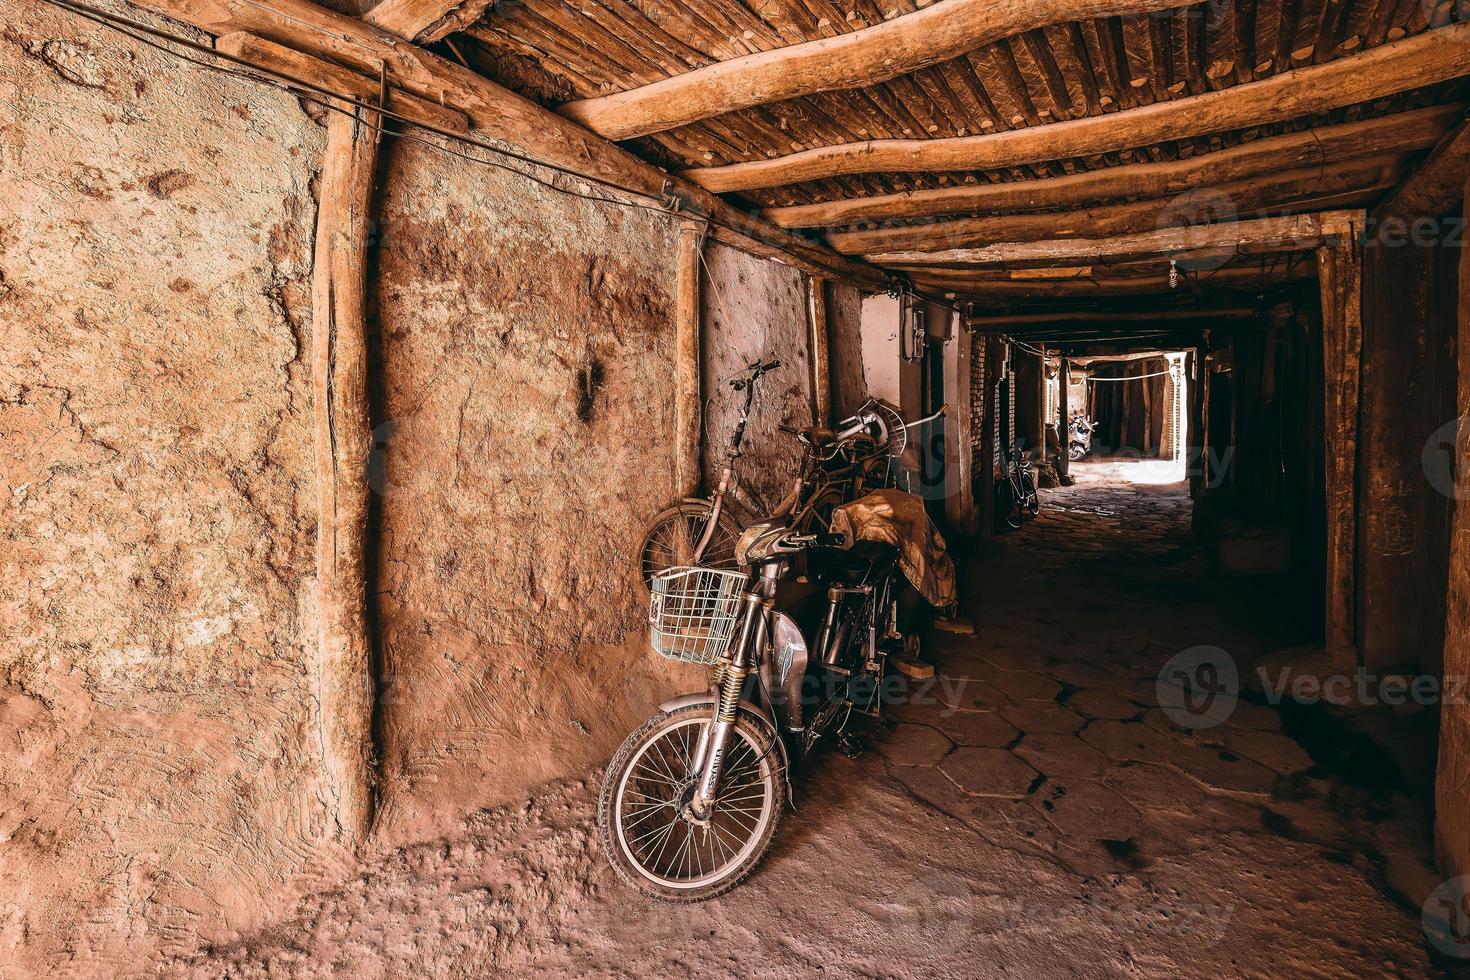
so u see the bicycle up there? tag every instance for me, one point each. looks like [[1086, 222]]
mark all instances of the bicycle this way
[[837, 466], [1016, 494]]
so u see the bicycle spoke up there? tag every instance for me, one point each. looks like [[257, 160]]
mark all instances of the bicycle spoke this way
[[660, 839]]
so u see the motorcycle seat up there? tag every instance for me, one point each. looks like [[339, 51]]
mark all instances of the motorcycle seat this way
[[815, 435], [861, 564]]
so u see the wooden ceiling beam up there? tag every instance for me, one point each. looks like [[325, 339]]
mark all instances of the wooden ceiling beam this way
[[1133, 286], [1424, 59], [499, 115], [314, 73], [1436, 187], [1401, 132], [1256, 236], [857, 59], [426, 20], [1092, 317], [1294, 189]]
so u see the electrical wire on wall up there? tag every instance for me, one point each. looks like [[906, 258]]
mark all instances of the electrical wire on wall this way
[[455, 144], [331, 101]]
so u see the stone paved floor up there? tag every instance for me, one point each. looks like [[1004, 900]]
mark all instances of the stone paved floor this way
[[1030, 813], [1049, 734]]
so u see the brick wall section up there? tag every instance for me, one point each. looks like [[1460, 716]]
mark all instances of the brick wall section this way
[[977, 411]]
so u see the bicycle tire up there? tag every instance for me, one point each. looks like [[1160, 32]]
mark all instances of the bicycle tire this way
[[671, 536], [1009, 501], [612, 829], [819, 510]]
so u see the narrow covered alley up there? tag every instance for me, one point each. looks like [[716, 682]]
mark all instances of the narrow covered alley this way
[[734, 488], [1031, 801]]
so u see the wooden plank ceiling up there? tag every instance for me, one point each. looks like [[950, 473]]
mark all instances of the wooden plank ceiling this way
[[560, 51]]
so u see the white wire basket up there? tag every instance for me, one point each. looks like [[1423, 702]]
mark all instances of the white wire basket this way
[[692, 613]]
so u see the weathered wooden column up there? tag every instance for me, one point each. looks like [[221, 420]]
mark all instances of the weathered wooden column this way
[[1452, 784], [687, 408], [816, 305], [1340, 273], [1196, 440], [960, 506], [1064, 439], [343, 430]]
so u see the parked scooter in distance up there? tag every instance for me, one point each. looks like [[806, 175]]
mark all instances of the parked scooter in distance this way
[[1079, 436]]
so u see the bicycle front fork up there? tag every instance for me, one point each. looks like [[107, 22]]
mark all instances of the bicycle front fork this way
[[730, 674]]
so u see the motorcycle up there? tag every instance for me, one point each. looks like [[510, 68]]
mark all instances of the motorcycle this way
[[797, 640], [837, 465], [1079, 436]]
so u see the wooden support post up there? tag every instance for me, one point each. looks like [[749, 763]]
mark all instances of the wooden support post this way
[[816, 306], [343, 430], [1342, 347], [960, 509], [687, 406], [1064, 439], [1452, 817], [1196, 441]]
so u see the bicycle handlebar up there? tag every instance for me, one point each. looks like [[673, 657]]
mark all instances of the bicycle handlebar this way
[[753, 372], [928, 418]]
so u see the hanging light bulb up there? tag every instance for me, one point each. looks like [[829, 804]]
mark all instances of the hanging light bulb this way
[[1173, 273]]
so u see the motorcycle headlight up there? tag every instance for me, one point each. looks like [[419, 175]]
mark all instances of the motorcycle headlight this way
[[748, 538]]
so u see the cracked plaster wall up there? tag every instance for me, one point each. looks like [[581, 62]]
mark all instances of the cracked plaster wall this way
[[159, 778], [528, 354], [162, 781], [755, 310]]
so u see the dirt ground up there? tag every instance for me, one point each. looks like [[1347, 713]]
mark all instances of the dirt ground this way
[[1031, 813]]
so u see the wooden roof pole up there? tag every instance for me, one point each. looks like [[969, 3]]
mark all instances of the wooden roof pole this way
[[1291, 189], [1423, 59], [1291, 233], [1000, 321], [1436, 187], [865, 57], [1137, 285], [501, 116], [425, 20], [1401, 132]]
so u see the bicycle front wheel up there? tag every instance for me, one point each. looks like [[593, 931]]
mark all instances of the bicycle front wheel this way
[[643, 818], [674, 534], [1009, 504]]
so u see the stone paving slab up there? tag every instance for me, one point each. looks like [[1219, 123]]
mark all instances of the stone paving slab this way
[[1047, 733]]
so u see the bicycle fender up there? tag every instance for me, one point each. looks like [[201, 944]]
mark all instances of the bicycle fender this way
[[749, 707]]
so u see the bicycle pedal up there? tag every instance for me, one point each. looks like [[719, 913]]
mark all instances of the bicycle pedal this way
[[852, 746]]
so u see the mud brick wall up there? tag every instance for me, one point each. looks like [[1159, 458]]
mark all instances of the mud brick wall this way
[[755, 310], [527, 355], [844, 349], [159, 776], [161, 779]]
